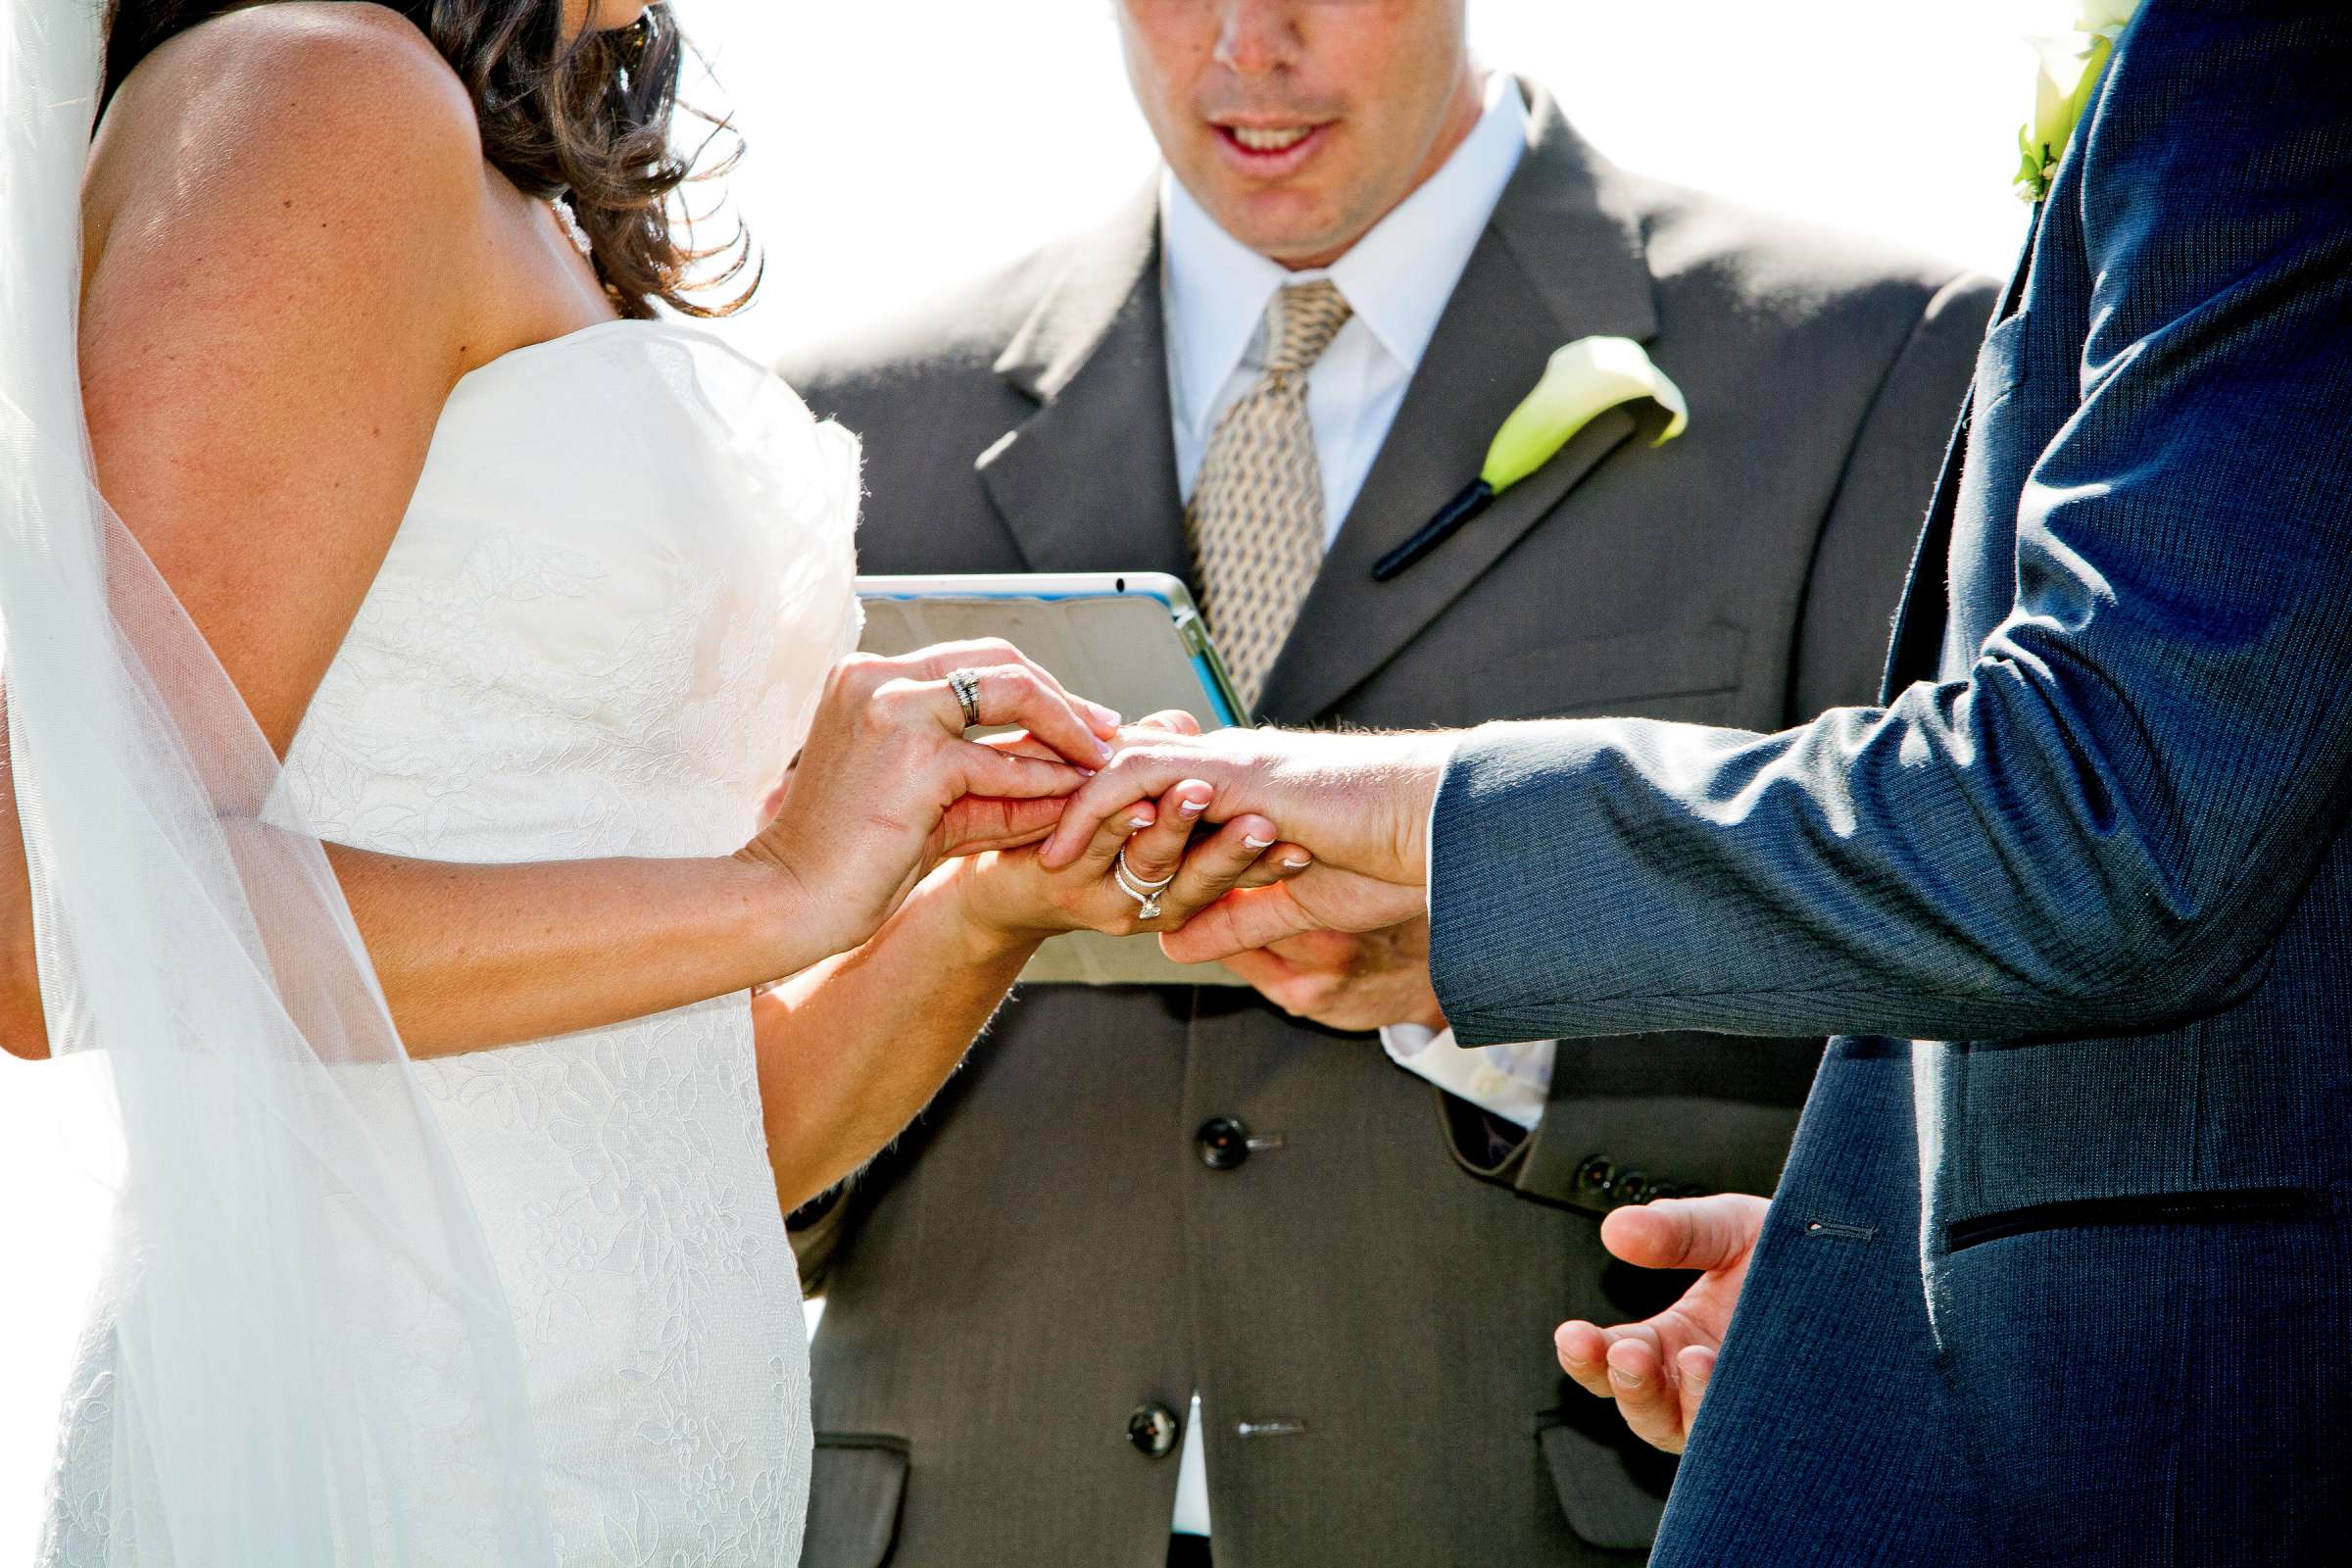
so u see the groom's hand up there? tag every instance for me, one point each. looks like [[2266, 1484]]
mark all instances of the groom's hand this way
[[1657, 1370], [1343, 981], [1359, 802]]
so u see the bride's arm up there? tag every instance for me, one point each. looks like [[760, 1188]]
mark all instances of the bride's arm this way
[[290, 263], [853, 1050]]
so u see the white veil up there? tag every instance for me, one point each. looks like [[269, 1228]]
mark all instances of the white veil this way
[[303, 1356]]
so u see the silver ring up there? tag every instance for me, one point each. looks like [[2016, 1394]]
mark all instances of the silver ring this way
[[1144, 893], [965, 684], [1120, 868]]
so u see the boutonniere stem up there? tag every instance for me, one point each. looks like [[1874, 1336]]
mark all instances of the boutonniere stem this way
[[2072, 66], [1582, 380]]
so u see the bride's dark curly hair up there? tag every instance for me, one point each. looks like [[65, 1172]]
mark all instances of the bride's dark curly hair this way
[[589, 116]]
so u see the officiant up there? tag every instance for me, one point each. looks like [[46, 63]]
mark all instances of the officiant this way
[[1269, 1274]]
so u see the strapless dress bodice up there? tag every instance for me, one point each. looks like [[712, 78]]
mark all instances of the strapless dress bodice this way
[[599, 631]]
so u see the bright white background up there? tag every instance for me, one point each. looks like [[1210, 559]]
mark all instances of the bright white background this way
[[898, 145]]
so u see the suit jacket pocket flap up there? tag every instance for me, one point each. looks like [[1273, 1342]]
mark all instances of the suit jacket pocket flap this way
[[1610, 673], [1604, 1501], [854, 1490]]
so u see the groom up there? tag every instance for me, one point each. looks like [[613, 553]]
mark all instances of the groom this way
[[2059, 1275], [1135, 1195]]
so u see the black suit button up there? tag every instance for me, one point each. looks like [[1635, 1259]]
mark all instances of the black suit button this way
[[1152, 1430], [1634, 1187], [1595, 1176], [1224, 1142]]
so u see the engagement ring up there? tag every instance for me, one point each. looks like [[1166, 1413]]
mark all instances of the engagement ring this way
[[967, 687], [1146, 894]]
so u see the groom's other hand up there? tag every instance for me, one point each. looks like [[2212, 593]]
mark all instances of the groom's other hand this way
[[1347, 982], [1657, 1370]]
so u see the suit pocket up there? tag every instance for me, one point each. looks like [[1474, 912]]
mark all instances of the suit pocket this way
[[2154, 1209], [1611, 1486], [1616, 674], [854, 1492]]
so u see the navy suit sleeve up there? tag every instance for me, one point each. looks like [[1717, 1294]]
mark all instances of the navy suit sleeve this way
[[2104, 825]]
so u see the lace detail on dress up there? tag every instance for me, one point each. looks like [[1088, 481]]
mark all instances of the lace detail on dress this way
[[600, 631]]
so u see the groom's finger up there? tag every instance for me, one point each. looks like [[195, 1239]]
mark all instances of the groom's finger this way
[[1649, 1402], [1695, 1233], [1583, 1353], [1254, 917], [1696, 1367]]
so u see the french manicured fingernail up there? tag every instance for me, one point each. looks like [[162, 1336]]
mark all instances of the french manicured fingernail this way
[[1257, 844], [1139, 821], [1299, 866], [1193, 807]]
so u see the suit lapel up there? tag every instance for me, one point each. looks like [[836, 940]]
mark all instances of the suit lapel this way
[[1561, 259], [1916, 650], [1917, 647], [1087, 482]]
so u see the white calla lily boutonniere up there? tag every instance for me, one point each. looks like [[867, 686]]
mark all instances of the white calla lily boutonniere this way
[[2071, 65], [1582, 380]]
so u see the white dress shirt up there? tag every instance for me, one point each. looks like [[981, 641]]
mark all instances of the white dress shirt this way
[[1218, 296]]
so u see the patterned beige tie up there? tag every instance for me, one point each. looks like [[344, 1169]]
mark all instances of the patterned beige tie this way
[[1257, 518]]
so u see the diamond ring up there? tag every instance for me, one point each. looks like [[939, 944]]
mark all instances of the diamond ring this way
[[1144, 893], [965, 684]]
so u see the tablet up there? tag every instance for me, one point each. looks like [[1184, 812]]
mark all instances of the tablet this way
[[1132, 641]]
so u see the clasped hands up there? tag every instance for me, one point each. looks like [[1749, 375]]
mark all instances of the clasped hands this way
[[891, 788]]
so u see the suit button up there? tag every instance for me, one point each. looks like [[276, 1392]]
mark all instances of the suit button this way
[[1595, 1176], [1224, 1142], [1634, 1187], [1152, 1430]]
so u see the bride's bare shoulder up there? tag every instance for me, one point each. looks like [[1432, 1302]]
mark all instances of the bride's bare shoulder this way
[[347, 112]]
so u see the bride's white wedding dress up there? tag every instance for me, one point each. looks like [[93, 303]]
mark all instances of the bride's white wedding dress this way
[[600, 631]]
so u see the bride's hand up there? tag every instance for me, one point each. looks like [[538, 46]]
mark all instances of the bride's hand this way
[[1010, 899], [887, 784]]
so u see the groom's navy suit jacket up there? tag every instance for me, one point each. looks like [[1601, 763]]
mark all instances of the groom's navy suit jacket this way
[[2057, 1273]]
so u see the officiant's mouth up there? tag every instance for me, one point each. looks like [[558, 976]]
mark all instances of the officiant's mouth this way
[[1270, 152]]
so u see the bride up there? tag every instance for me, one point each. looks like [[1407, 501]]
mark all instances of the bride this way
[[535, 594]]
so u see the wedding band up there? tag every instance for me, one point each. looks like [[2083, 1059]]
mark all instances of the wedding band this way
[[967, 687], [1125, 872], [1144, 893]]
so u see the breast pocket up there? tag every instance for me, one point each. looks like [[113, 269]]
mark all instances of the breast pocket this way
[[1653, 673]]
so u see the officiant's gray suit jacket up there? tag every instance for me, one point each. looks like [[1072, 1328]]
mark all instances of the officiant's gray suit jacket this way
[[1370, 1293]]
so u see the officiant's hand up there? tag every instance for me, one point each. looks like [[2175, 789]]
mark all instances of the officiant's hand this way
[[1341, 981], [1361, 802], [888, 784], [1011, 899], [1657, 1370]]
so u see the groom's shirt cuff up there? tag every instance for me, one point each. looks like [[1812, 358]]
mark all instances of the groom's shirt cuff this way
[[1509, 1081]]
